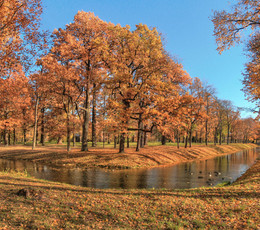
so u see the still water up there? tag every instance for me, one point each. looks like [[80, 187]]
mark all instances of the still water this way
[[186, 175]]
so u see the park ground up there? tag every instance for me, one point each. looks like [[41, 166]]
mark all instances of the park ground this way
[[28, 203]]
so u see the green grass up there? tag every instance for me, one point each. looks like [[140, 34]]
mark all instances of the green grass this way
[[111, 145]]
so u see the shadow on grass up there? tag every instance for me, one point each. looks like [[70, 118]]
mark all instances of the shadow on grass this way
[[228, 192]]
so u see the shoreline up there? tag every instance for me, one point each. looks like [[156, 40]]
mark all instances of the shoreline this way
[[148, 157]]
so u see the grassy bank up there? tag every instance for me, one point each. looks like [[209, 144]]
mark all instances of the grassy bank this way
[[151, 156], [28, 203]]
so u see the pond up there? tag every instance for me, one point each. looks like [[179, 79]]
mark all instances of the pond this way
[[193, 174]]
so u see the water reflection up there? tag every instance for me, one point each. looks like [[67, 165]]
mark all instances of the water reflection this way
[[187, 175]]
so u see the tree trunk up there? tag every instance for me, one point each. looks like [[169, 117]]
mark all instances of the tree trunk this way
[[215, 136], [163, 140], [59, 141], [103, 138], [74, 128], [86, 113], [9, 137], [5, 137], [186, 140], [145, 137], [228, 133], [190, 137], [94, 120], [206, 132], [37, 135], [35, 122], [178, 139], [42, 141], [68, 128], [125, 124], [68, 134], [122, 143], [108, 138], [74, 138], [115, 141], [196, 137], [142, 139], [24, 136], [128, 142], [220, 136], [138, 143], [2, 137], [14, 137]]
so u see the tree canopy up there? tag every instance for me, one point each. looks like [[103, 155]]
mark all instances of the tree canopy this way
[[233, 27], [97, 81]]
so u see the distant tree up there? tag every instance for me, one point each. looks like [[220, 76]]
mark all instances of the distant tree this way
[[209, 98], [230, 115], [195, 111], [15, 103], [61, 73]]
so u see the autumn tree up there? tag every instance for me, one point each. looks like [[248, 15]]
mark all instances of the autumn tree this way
[[171, 100], [209, 98], [248, 130], [230, 115], [20, 42], [60, 73], [195, 109], [226, 117], [140, 73], [252, 71], [15, 101], [19, 28], [228, 26], [133, 65], [87, 47], [228, 30]]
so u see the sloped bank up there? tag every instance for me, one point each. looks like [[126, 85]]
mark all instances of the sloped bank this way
[[159, 156], [110, 158]]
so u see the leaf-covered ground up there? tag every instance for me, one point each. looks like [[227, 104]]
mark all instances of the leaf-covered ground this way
[[27, 203], [151, 156]]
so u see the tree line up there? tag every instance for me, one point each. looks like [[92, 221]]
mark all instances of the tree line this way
[[94, 80]]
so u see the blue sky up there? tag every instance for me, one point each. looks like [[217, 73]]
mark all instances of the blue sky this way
[[185, 26]]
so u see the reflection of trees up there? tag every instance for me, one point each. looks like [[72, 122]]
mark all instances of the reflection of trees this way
[[76, 176], [164, 177], [142, 180], [182, 175], [128, 179]]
